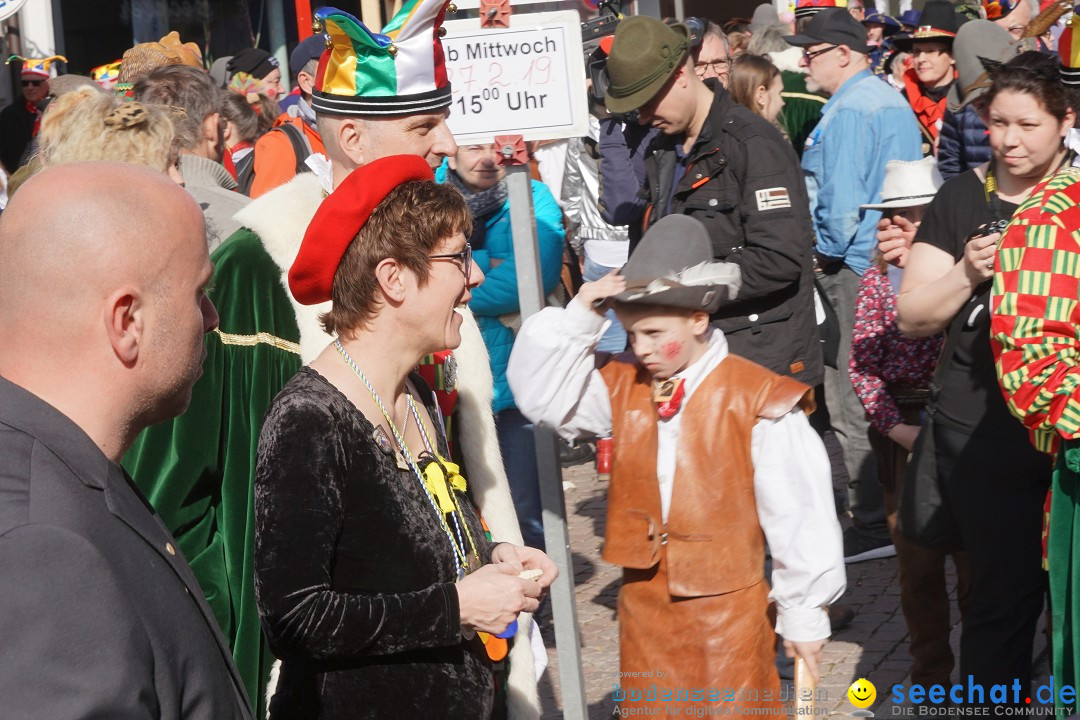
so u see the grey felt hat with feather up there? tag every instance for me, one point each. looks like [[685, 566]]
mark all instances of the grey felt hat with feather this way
[[673, 266]]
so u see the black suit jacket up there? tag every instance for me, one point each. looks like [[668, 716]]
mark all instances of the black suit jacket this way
[[100, 616]]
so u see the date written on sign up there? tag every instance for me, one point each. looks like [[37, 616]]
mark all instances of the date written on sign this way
[[526, 79]]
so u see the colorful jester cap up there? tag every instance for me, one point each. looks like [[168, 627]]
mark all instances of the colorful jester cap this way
[[106, 75], [1069, 50], [400, 71], [38, 67]]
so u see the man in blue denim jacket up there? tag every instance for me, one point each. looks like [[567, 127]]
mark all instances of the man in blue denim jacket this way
[[864, 125]]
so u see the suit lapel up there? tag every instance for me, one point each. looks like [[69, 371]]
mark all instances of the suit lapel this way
[[127, 504]]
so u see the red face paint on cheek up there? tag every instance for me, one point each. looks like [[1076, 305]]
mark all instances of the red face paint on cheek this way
[[671, 350]]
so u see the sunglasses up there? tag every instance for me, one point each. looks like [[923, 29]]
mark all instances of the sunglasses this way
[[31, 83], [464, 257], [808, 56]]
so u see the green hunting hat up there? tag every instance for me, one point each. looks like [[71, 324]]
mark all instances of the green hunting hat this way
[[645, 53]]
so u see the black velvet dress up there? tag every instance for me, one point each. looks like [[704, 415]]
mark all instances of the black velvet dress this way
[[354, 574]]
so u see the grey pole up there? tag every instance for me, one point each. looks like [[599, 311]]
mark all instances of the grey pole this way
[[556, 536], [276, 17]]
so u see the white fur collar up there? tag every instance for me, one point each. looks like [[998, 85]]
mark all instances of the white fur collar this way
[[788, 60], [280, 218]]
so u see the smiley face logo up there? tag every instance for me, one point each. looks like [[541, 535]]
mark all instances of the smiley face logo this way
[[862, 693]]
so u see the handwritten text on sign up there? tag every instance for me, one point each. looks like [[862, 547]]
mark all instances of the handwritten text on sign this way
[[528, 79]]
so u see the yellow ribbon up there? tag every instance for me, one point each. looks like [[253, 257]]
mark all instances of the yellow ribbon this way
[[439, 484]]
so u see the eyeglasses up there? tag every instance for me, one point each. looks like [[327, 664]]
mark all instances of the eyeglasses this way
[[808, 56], [720, 67], [31, 83], [464, 257]]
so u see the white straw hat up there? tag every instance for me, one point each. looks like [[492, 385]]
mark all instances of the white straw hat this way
[[908, 183]]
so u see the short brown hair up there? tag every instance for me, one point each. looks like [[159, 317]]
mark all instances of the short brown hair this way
[[406, 226]]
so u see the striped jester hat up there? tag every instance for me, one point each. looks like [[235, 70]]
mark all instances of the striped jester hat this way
[[1069, 52], [400, 71], [41, 67]]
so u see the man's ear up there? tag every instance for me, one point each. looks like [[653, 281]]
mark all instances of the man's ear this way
[[306, 81], [351, 139], [392, 280], [125, 324]]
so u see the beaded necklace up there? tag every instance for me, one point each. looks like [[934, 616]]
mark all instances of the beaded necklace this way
[[461, 557]]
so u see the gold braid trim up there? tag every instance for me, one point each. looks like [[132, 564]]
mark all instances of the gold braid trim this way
[[803, 96], [253, 340]]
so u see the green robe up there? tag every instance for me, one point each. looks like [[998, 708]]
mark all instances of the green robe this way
[[1063, 559], [198, 470], [802, 109]]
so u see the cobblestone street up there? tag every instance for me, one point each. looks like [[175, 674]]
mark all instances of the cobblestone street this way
[[873, 646]]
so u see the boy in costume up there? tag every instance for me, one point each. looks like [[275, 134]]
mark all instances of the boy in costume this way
[[713, 457]]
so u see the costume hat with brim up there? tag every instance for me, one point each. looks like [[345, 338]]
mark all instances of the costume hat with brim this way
[[673, 266], [1069, 52], [644, 55], [909, 19], [400, 71], [889, 23], [908, 183], [939, 22], [37, 67], [340, 217], [979, 44]]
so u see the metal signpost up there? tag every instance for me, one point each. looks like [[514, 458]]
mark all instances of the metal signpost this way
[[512, 84]]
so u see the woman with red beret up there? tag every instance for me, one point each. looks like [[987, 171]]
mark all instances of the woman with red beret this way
[[372, 570]]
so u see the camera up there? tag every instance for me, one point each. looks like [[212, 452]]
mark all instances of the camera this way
[[996, 226]]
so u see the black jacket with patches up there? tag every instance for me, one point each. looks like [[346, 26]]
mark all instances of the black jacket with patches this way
[[744, 182]]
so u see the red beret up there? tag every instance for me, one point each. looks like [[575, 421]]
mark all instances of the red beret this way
[[340, 217]]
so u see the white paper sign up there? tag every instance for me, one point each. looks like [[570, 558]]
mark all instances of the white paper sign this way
[[528, 79]]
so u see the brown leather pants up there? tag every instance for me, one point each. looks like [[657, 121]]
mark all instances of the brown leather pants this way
[[707, 651], [924, 597]]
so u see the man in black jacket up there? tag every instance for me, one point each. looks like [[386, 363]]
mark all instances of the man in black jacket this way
[[100, 614], [722, 164]]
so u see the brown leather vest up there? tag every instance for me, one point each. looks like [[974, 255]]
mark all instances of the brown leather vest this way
[[712, 539]]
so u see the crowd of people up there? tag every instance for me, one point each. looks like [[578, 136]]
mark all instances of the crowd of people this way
[[283, 328]]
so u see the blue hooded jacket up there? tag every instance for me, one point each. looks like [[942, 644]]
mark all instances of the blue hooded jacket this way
[[498, 294]]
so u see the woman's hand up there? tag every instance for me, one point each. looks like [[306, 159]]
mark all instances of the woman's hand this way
[[894, 238], [808, 651], [904, 435], [491, 598], [979, 258], [591, 293], [526, 558]]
